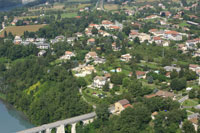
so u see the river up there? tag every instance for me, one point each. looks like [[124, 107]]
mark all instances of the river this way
[[12, 120], [8, 8]]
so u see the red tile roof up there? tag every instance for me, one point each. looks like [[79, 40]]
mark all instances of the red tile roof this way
[[140, 73]]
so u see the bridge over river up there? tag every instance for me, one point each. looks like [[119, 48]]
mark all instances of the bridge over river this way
[[60, 125]]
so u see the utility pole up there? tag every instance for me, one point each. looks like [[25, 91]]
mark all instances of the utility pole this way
[[163, 52]]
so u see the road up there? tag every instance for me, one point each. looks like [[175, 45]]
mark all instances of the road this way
[[3, 26], [100, 4]]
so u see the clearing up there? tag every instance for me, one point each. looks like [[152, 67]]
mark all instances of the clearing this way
[[19, 30]]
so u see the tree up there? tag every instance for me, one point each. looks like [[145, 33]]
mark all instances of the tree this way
[[192, 94], [174, 74], [188, 127], [178, 84], [126, 30], [102, 112], [102, 28], [59, 16], [82, 82], [137, 40], [150, 80], [134, 120], [5, 34], [106, 87], [94, 31], [117, 78], [126, 82], [135, 88]]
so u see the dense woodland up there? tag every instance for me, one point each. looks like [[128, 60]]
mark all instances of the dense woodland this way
[[45, 93]]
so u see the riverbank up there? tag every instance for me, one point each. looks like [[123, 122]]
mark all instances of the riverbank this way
[[2, 96]]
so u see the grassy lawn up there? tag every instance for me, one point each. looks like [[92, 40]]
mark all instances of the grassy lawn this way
[[25, 17], [152, 86], [150, 65], [19, 30], [190, 102], [111, 7], [69, 15], [183, 24], [90, 98]]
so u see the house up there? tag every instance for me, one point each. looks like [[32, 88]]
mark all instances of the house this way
[[168, 74], [194, 67], [143, 37], [152, 17], [133, 34], [125, 57], [118, 70], [166, 14], [197, 53], [78, 34], [157, 40], [40, 39], [161, 93], [106, 23], [171, 68], [67, 56], [172, 35], [182, 47], [91, 41], [114, 47], [165, 94], [99, 81], [17, 40], [165, 43], [88, 33], [99, 61], [91, 55], [42, 45], [71, 39], [153, 115], [82, 71], [191, 44], [194, 119], [114, 27], [30, 39], [60, 38], [140, 74], [121, 105], [41, 53], [130, 12]]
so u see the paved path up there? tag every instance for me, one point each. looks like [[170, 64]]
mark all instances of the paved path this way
[[61, 122]]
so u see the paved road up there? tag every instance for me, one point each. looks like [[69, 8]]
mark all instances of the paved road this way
[[58, 123], [183, 99], [3, 26]]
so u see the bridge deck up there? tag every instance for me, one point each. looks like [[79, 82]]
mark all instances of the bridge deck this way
[[58, 123]]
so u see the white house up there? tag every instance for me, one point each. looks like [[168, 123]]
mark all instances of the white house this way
[[90, 55], [173, 35], [68, 55], [99, 81], [125, 57]]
